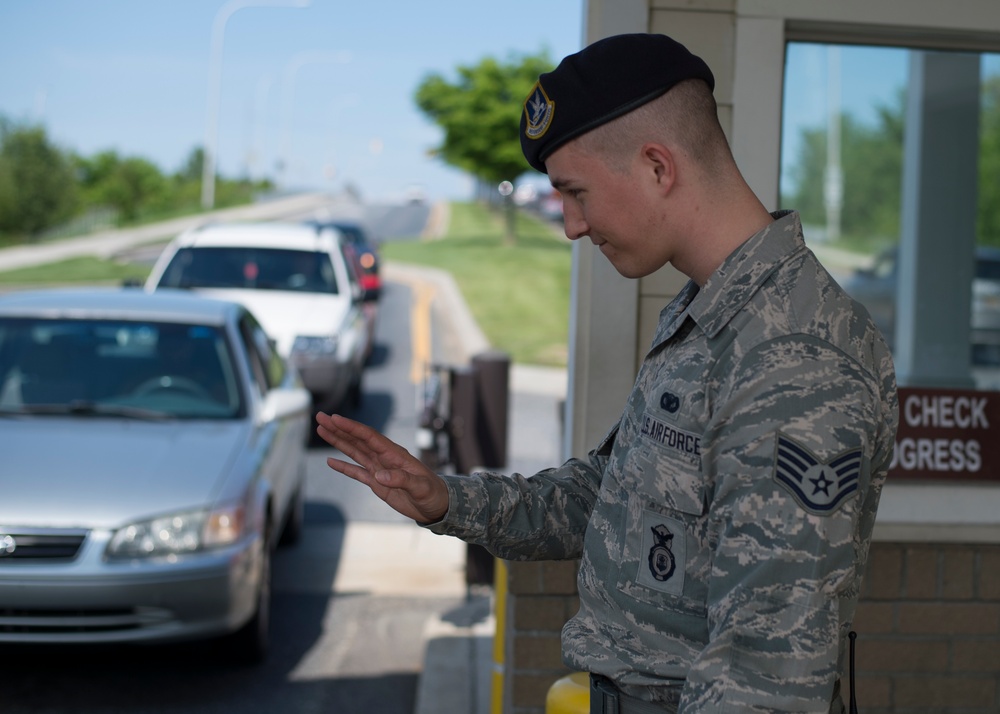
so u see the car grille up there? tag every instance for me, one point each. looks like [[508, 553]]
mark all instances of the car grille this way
[[29, 621], [45, 544]]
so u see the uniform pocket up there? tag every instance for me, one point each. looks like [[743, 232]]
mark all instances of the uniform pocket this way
[[662, 562]]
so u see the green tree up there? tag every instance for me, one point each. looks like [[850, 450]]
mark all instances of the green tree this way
[[37, 185], [988, 218], [871, 161], [191, 171], [131, 185], [480, 114]]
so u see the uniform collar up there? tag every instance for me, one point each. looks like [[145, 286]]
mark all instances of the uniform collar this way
[[734, 282]]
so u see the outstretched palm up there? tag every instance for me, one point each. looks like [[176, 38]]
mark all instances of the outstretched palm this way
[[389, 470]]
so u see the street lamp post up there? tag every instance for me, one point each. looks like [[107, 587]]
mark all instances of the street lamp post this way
[[215, 87]]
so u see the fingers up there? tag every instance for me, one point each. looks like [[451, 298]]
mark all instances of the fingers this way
[[343, 440], [389, 470], [354, 471], [363, 444]]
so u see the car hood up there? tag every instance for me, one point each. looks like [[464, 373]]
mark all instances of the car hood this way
[[101, 473], [285, 315]]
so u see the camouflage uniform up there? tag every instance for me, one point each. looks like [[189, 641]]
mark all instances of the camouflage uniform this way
[[725, 521]]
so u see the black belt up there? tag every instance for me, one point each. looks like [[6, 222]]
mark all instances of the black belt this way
[[606, 698]]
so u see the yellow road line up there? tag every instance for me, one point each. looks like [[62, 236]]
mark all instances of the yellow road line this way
[[420, 330]]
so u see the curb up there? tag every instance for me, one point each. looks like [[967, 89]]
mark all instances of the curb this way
[[459, 321]]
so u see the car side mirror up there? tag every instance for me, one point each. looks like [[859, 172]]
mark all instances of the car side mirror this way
[[280, 403]]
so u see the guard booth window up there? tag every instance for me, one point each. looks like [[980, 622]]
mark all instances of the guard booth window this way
[[892, 157]]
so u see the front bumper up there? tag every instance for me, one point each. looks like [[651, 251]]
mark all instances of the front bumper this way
[[90, 600], [324, 376]]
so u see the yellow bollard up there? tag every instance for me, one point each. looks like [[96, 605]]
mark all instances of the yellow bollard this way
[[569, 695], [500, 608]]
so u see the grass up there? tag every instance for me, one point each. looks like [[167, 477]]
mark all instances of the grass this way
[[86, 270], [519, 294]]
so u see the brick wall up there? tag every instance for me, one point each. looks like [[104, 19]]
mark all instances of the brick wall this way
[[541, 597], [928, 628]]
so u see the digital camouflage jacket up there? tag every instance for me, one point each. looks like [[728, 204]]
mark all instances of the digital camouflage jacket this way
[[724, 523]]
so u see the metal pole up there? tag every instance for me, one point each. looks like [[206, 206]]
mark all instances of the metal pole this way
[[492, 370], [215, 87]]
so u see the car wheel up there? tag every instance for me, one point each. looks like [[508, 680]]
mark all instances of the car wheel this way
[[295, 520], [249, 644], [355, 394]]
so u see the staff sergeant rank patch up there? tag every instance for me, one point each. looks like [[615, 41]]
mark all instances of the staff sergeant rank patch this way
[[819, 487], [538, 111]]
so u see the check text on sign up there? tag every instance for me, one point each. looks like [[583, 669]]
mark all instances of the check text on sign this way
[[947, 435]]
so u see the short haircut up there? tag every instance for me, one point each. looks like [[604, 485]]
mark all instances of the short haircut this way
[[686, 116]]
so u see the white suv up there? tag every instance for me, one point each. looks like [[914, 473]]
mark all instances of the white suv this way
[[296, 281]]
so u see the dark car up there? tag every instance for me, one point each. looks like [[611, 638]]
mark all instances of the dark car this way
[[366, 252], [875, 287]]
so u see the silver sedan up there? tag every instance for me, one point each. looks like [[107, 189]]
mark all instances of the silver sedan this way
[[153, 454]]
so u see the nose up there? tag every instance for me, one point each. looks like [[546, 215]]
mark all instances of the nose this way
[[574, 224]]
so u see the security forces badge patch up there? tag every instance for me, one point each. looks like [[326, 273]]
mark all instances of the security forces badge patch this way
[[665, 550], [819, 487], [538, 111]]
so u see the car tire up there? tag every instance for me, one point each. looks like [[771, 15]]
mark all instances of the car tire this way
[[295, 520], [355, 394], [249, 644]]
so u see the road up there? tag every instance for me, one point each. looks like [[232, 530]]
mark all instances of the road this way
[[350, 601]]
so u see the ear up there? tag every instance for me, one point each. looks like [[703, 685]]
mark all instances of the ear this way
[[660, 160]]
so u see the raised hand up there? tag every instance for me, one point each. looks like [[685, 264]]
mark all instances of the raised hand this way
[[389, 470]]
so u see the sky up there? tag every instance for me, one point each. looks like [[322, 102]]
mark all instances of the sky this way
[[324, 90], [322, 87]]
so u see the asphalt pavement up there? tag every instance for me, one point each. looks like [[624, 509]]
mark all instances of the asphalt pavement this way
[[458, 664]]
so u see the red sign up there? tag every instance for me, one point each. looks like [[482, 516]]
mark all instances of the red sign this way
[[947, 434]]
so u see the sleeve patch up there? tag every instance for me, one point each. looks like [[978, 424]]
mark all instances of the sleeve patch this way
[[820, 487]]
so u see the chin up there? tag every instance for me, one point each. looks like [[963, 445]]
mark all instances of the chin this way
[[633, 272], [626, 269]]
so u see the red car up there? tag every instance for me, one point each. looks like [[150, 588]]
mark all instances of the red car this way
[[367, 255]]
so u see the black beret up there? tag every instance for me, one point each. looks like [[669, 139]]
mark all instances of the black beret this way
[[599, 83]]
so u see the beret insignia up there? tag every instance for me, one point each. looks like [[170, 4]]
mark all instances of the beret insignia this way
[[538, 111]]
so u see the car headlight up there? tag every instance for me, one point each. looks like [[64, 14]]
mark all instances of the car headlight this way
[[307, 344], [179, 533]]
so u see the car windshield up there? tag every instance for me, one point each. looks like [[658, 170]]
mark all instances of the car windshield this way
[[255, 268], [144, 370], [988, 267], [352, 234]]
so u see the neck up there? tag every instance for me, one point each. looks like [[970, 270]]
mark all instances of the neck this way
[[727, 221]]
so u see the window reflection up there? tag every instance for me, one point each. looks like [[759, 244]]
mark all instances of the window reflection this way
[[843, 160]]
